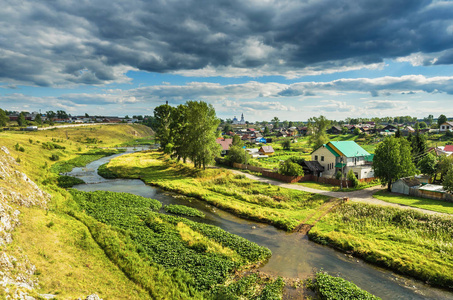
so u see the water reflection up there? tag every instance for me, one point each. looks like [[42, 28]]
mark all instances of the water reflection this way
[[293, 255]]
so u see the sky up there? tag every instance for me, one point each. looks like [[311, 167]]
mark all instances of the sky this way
[[291, 59]]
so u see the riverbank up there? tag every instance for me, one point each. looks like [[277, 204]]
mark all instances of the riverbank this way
[[409, 247], [283, 208]]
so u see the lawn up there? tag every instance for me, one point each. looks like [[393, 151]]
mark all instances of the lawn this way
[[333, 188], [284, 208], [407, 241], [424, 203]]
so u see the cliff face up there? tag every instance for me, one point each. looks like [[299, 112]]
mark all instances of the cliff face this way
[[16, 190]]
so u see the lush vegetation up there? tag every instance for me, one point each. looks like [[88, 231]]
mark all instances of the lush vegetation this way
[[406, 241], [105, 172], [183, 210], [195, 256], [83, 159], [284, 208], [424, 203], [333, 188], [329, 287], [64, 181], [68, 261]]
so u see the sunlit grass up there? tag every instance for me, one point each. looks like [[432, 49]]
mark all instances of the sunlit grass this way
[[424, 203]]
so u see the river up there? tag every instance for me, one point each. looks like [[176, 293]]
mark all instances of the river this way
[[293, 255]]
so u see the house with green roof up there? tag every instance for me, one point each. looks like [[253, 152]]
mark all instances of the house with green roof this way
[[344, 156]]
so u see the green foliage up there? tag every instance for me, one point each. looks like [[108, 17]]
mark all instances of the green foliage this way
[[318, 126], [236, 154], [82, 160], [105, 172], [273, 291], [351, 177], [68, 181], [3, 118], [329, 287], [404, 240], [290, 168], [392, 160], [441, 119], [51, 146], [339, 175], [428, 164], [286, 145], [183, 210], [158, 238], [54, 157], [21, 119], [448, 181]]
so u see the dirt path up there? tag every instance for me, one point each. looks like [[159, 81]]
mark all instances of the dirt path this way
[[365, 195]]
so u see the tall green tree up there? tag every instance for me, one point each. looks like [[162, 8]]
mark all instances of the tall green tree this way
[[21, 119], [442, 119], [237, 141], [428, 164], [50, 115], [275, 121], [180, 132], [163, 119], [3, 118], [202, 124], [318, 128], [448, 181], [392, 160], [61, 114], [444, 165], [38, 119], [419, 145], [285, 124]]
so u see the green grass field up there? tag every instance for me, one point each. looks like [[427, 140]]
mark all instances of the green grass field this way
[[424, 203], [406, 241], [284, 208]]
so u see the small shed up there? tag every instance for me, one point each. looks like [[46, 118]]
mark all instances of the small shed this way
[[266, 150], [312, 167], [403, 185]]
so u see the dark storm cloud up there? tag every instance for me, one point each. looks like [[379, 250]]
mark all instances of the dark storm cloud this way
[[50, 43]]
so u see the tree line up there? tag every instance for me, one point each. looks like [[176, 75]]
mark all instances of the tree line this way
[[188, 131]]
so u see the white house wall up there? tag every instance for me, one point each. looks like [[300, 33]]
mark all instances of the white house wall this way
[[329, 158]]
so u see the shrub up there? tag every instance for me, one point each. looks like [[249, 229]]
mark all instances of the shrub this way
[[351, 177], [329, 287], [68, 181], [290, 169], [339, 175], [54, 157], [183, 210]]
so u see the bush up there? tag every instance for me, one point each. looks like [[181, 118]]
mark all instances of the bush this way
[[339, 175], [54, 157], [103, 171], [183, 210], [68, 181], [290, 169], [351, 177], [329, 287], [236, 155]]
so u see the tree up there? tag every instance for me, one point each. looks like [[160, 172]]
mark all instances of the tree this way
[[441, 120], [428, 120], [266, 130], [236, 154], [38, 119], [419, 145], [428, 165], [50, 115], [21, 119], [202, 123], [398, 132], [351, 177], [423, 125], [448, 182], [290, 168], [444, 165], [3, 118], [290, 124], [392, 160], [179, 130], [163, 118], [237, 141], [357, 131], [275, 121], [61, 114], [286, 145], [344, 130], [318, 127], [227, 128], [285, 124]]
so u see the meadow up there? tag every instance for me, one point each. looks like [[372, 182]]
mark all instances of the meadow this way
[[405, 241], [283, 208]]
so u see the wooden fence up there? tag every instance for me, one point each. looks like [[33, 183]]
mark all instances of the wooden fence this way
[[292, 179], [430, 195]]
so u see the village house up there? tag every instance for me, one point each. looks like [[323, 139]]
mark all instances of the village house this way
[[266, 150], [447, 126], [225, 144], [344, 156]]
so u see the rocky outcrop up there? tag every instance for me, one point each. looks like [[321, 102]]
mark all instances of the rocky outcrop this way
[[16, 190]]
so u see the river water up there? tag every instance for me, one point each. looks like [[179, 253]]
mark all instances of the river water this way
[[293, 255]]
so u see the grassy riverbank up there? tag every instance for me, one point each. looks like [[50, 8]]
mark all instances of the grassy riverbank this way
[[406, 241], [284, 208], [424, 203], [69, 262], [182, 259]]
